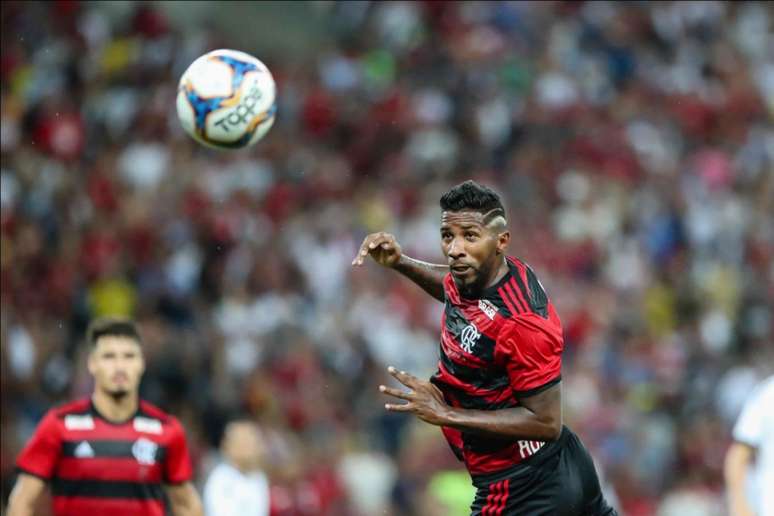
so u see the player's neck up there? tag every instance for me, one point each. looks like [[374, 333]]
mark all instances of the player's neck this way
[[115, 410], [243, 468], [502, 270]]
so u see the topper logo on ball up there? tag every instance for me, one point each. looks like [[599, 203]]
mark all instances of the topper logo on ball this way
[[243, 112]]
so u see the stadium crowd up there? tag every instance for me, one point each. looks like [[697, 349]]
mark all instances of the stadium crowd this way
[[632, 143]]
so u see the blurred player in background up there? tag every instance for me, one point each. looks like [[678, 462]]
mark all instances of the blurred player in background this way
[[497, 393], [753, 446], [238, 486], [113, 453]]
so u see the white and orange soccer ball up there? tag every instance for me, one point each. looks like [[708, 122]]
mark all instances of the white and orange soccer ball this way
[[226, 99]]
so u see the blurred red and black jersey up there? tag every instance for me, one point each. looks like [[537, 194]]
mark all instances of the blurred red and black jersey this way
[[96, 467], [494, 350]]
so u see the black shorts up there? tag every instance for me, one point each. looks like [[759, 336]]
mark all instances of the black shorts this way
[[562, 483]]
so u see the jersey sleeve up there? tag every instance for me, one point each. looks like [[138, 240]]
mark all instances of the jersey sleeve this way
[[532, 354], [749, 426], [177, 467], [41, 453]]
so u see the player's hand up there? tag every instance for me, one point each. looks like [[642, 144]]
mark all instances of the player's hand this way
[[424, 399], [382, 247]]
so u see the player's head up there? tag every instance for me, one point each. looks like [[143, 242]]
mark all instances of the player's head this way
[[242, 444], [115, 358], [474, 235]]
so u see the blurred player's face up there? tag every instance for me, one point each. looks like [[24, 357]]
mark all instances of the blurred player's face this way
[[243, 446], [473, 250], [117, 365]]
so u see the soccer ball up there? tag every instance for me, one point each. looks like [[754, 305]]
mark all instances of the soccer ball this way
[[226, 99]]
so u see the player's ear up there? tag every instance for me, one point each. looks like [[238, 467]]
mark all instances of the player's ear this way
[[91, 365], [503, 239]]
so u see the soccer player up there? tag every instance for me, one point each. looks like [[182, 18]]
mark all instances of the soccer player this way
[[753, 446], [113, 453], [497, 393]]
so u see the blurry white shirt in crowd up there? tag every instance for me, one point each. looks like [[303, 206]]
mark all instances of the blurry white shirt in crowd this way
[[368, 478], [691, 501], [755, 427], [144, 165], [229, 492]]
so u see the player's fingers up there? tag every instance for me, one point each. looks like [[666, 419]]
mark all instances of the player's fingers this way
[[436, 389], [363, 251], [370, 243], [408, 396], [358, 259], [379, 240], [405, 407], [403, 377]]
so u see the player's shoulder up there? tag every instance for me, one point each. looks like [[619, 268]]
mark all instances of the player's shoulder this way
[[71, 408], [151, 411], [520, 294], [515, 260], [522, 267]]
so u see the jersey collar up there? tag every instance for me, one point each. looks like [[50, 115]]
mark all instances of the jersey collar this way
[[94, 412]]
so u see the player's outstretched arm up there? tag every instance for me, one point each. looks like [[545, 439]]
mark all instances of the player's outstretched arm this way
[[385, 250], [539, 417], [25, 495], [185, 500]]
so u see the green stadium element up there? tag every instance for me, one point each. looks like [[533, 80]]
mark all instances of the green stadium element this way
[[453, 490]]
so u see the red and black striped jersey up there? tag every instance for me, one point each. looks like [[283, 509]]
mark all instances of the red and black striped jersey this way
[[498, 348], [97, 467]]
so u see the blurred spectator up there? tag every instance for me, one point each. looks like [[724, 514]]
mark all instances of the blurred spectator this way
[[237, 486]]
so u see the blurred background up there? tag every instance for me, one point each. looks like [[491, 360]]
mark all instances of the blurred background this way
[[632, 143]]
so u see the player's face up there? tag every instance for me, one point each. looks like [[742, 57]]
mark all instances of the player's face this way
[[242, 445], [471, 249], [117, 365]]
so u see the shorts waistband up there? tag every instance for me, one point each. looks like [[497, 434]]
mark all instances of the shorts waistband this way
[[545, 453]]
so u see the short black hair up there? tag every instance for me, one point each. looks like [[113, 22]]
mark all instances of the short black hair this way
[[471, 196], [228, 419], [111, 326]]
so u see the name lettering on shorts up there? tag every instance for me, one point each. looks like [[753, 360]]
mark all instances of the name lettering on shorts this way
[[529, 448]]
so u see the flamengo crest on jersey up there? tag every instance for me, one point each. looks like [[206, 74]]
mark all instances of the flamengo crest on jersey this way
[[144, 450], [469, 337]]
